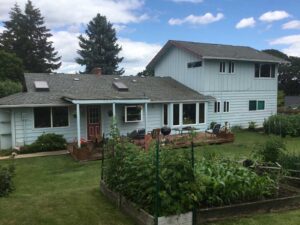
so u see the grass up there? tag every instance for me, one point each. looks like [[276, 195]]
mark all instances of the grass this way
[[56, 190]]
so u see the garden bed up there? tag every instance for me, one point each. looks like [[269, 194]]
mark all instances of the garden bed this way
[[204, 215]]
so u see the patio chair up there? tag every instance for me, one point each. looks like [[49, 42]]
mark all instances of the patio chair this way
[[214, 131]]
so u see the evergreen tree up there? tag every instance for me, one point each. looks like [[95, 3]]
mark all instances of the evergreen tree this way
[[27, 37], [11, 67], [99, 47]]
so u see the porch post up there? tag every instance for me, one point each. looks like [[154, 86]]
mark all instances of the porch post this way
[[78, 125], [146, 117], [114, 110]]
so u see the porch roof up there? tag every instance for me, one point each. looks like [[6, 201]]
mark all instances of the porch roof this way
[[66, 88]]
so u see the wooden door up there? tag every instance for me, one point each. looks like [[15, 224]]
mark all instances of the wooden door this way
[[94, 122]]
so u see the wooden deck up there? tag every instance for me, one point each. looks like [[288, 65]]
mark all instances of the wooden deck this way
[[184, 140]]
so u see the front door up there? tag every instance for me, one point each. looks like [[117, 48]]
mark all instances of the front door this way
[[93, 122]]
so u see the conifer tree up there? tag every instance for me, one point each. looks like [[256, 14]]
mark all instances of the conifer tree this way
[[98, 47], [27, 37]]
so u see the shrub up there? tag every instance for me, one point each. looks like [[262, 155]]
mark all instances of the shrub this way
[[283, 125], [46, 142], [6, 182], [290, 161], [272, 150], [8, 87], [252, 126]]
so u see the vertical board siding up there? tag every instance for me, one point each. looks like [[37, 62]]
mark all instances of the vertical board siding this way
[[237, 88], [25, 133], [5, 129], [154, 119]]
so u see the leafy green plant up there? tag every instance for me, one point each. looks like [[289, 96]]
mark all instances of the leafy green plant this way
[[8, 87], [271, 150], [46, 142], [290, 161], [222, 182], [252, 126], [283, 125], [6, 182], [212, 124]]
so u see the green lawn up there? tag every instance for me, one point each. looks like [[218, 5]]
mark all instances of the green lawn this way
[[56, 190]]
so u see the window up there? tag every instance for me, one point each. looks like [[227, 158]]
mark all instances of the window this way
[[256, 105], [222, 67], [176, 114], [189, 114], [226, 106], [51, 117], [166, 114], [133, 113], [201, 113], [231, 67], [217, 107], [42, 117], [264, 70], [60, 116], [194, 64]]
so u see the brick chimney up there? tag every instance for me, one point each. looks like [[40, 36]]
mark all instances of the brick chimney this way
[[97, 71]]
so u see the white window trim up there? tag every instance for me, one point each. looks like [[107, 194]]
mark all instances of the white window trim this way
[[51, 119], [228, 109], [133, 121], [257, 105], [233, 67], [221, 72], [171, 113], [219, 104], [259, 75]]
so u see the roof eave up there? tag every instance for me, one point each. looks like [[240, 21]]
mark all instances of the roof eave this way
[[249, 60]]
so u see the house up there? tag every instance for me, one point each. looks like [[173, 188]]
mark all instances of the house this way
[[243, 80], [194, 84], [83, 106], [292, 102]]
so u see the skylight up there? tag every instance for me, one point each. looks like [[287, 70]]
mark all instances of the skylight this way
[[41, 86], [120, 86]]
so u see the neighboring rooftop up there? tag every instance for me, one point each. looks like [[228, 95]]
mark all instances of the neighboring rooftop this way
[[292, 101], [217, 51], [63, 87]]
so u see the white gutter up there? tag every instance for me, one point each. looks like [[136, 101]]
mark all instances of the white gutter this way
[[243, 59], [128, 101], [32, 105]]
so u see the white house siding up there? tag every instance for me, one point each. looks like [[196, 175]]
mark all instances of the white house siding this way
[[25, 133], [237, 88], [154, 119], [5, 129]]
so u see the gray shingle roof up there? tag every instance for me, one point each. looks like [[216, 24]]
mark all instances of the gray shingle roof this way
[[93, 87], [217, 51]]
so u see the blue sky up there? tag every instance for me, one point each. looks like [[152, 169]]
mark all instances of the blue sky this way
[[145, 25]]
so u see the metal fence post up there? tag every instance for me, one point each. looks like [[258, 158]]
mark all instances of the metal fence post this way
[[194, 217], [157, 188]]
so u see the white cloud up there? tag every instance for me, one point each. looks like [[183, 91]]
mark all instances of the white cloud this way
[[189, 1], [293, 43], [1, 29], [246, 22], [274, 16], [197, 20], [136, 54], [61, 13], [294, 24]]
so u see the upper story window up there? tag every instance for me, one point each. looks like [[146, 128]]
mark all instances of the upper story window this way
[[222, 67], [217, 107], [46, 117], [194, 64], [231, 67], [133, 113], [264, 70]]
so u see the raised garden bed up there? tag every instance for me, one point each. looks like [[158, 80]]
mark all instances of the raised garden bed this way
[[204, 215]]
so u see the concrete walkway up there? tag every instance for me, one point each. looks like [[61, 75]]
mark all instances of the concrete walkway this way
[[38, 154]]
